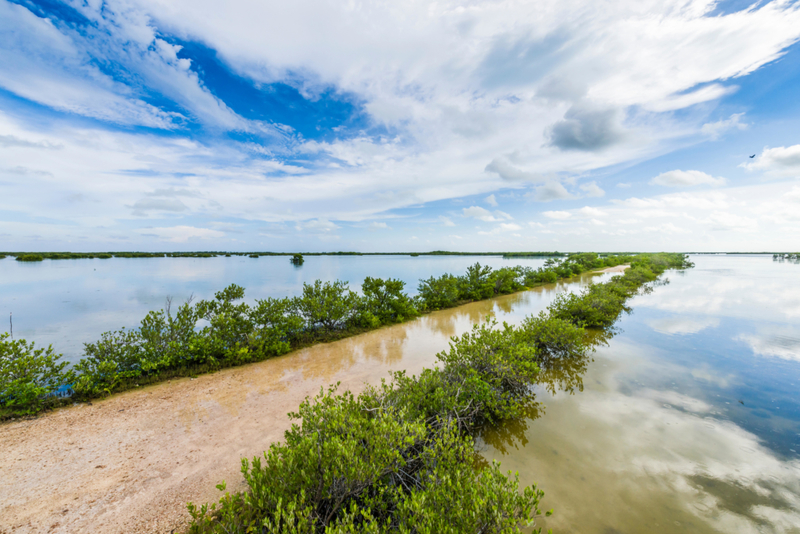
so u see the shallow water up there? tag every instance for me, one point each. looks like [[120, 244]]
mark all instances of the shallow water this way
[[688, 420], [67, 303], [165, 444]]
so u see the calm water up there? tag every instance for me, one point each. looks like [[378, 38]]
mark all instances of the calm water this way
[[67, 303], [688, 420]]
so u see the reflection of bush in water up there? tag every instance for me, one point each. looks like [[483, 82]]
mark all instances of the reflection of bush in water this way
[[386, 460]]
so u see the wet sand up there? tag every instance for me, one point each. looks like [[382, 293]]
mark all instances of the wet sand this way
[[130, 463], [615, 269]]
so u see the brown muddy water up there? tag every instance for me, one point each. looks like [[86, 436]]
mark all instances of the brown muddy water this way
[[131, 462]]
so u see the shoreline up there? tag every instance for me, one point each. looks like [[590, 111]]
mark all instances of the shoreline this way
[[131, 462]]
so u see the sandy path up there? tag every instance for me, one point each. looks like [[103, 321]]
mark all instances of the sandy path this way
[[130, 463], [615, 269]]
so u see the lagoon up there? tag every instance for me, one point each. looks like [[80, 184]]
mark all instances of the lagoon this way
[[687, 421], [66, 303]]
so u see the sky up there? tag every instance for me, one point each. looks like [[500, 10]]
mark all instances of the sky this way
[[328, 125]]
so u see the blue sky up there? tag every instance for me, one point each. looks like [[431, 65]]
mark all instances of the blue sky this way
[[378, 126]]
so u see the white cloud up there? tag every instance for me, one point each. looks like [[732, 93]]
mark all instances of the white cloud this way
[[446, 221], [502, 228], [793, 195], [678, 178], [780, 161], [321, 226], [725, 221], [715, 129], [182, 234], [551, 191], [591, 189], [478, 97], [478, 213], [666, 228], [491, 200], [140, 207], [507, 171], [587, 211], [485, 215], [682, 325], [558, 215], [378, 226]]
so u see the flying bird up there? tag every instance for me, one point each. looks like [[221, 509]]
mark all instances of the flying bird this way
[[751, 157]]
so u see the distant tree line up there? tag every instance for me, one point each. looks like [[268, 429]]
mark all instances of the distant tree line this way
[[41, 256]]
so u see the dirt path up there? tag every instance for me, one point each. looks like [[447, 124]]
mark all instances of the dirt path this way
[[615, 269], [130, 463]]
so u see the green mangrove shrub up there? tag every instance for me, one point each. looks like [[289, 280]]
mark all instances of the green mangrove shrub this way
[[30, 257], [476, 283], [226, 336], [328, 306], [385, 301], [226, 331], [397, 457], [274, 326], [438, 293], [29, 377]]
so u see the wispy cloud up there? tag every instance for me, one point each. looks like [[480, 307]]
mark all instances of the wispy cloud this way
[[679, 178], [315, 115]]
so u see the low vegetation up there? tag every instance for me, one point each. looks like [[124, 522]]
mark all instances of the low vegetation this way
[[790, 256], [204, 336], [400, 457], [30, 257]]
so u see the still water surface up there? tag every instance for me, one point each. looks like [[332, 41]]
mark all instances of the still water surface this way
[[687, 421], [67, 303]]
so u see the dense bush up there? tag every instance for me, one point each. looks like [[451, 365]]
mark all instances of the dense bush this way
[[476, 283], [597, 306], [226, 335], [397, 458], [506, 280], [385, 300], [274, 326], [30, 257], [28, 376], [328, 305], [438, 293], [225, 331]]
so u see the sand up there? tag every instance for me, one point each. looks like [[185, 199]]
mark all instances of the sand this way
[[131, 462]]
